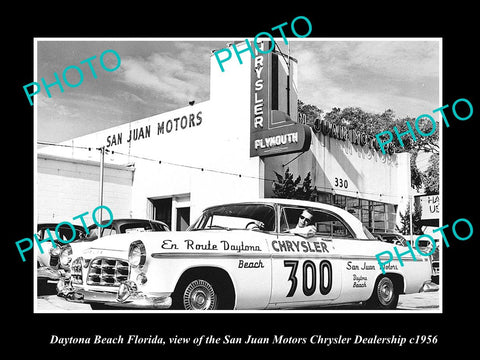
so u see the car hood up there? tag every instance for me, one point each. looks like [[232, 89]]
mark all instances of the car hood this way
[[112, 245]]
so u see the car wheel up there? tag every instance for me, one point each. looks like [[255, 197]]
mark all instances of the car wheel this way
[[200, 294], [384, 296], [204, 289]]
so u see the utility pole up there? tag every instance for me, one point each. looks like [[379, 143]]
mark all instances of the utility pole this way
[[288, 83], [411, 218], [102, 163]]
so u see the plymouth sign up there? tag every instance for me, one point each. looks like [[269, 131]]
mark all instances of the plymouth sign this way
[[272, 132]]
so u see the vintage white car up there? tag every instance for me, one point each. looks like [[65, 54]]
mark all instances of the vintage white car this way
[[246, 256]]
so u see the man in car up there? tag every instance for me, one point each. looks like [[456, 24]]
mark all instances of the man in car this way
[[304, 226]]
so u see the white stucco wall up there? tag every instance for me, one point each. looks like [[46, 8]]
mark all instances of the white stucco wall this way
[[67, 188]]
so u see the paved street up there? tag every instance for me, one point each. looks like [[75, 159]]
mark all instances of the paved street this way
[[425, 301]]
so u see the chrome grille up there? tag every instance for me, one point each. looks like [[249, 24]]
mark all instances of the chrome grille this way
[[107, 272], [76, 271]]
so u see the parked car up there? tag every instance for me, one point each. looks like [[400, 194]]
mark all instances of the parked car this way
[[246, 255], [50, 264], [426, 246], [122, 226], [48, 269], [436, 267], [117, 226]]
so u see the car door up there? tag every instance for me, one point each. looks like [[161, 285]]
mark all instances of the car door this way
[[305, 271]]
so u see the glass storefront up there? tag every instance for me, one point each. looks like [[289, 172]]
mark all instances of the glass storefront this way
[[376, 216]]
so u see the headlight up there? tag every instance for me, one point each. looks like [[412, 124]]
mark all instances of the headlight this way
[[137, 254], [55, 251], [65, 255]]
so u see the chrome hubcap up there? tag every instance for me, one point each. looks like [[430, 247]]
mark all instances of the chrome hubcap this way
[[199, 295], [385, 291]]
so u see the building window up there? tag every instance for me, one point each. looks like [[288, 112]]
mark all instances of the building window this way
[[325, 198], [379, 219], [391, 212], [340, 201], [353, 206], [376, 216], [366, 213]]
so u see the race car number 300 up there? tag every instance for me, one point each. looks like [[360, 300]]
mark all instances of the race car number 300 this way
[[325, 273]]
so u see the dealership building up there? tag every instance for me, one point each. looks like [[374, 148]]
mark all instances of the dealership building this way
[[172, 165]]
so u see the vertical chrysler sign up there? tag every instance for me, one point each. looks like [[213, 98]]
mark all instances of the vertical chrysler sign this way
[[272, 132]]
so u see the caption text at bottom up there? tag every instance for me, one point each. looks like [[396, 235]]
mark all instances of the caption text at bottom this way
[[398, 340]]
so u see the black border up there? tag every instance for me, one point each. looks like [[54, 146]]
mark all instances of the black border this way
[[453, 327]]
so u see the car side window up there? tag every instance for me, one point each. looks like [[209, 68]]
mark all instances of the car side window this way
[[108, 231], [284, 225], [289, 218], [326, 224], [65, 233]]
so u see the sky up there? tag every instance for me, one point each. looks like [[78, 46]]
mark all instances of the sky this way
[[165, 74]]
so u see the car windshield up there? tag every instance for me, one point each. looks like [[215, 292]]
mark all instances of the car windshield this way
[[145, 226], [64, 232], [236, 216], [127, 227]]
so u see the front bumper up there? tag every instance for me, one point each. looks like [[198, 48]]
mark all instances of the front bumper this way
[[126, 297]]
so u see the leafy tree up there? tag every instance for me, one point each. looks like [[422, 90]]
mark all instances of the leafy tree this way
[[371, 123], [416, 176], [287, 188], [374, 123], [428, 144], [430, 177], [416, 219], [306, 192], [311, 111], [360, 120]]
